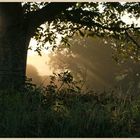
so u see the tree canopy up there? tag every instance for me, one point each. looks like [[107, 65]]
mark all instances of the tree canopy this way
[[48, 21], [103, 19]]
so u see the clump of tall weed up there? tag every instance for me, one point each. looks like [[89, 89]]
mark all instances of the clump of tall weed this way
[[64, 109]]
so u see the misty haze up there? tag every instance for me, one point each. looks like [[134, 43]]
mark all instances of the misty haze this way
[[89, 59]]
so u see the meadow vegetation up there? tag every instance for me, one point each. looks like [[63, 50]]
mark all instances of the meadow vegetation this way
[[69, 110]]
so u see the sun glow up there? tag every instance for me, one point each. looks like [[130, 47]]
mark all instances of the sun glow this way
[[39, 62]]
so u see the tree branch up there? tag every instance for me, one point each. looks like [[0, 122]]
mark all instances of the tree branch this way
[[92, 23], [133, 40], [47, 13]]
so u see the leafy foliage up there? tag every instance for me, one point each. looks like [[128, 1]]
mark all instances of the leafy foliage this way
[[93, 19], [32, 6]]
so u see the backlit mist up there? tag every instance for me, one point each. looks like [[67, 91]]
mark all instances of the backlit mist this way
[[88, 59]]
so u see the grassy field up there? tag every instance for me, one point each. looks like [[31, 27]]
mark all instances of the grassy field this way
[[69, 112]]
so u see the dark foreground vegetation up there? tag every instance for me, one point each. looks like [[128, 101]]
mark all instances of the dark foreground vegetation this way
[[69, 111]]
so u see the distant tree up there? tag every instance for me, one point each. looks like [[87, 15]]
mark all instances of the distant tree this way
[[19, 22], [33, 75], [96, 68]]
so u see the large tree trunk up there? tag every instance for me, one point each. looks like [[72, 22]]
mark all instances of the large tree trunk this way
[[13, 46]]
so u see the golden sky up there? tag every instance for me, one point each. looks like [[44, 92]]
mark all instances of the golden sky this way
[[39, 62]]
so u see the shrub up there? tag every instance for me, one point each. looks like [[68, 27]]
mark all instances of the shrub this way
[[66, 110]]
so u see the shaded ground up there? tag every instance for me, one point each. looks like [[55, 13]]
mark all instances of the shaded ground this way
[[45, 112]]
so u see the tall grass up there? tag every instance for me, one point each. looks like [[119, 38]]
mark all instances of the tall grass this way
[[69, 112]]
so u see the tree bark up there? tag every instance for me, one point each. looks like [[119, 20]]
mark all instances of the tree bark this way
[[16, 30], [13, 46]]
